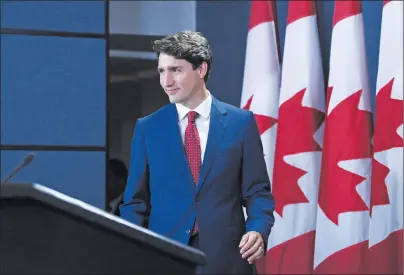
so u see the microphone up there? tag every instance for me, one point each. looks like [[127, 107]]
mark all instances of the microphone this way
[[27, 160]]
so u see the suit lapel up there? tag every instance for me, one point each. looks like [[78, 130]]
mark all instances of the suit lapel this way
[[215, 139]]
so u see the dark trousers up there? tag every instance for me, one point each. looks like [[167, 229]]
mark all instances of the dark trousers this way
[[194, 243]]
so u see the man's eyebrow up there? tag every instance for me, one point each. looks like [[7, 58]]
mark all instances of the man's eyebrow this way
[[169, 68]]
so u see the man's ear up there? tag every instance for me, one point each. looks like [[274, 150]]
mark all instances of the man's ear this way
[[203, 68]]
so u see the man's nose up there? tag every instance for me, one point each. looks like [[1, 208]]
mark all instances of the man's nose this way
[[168, 80]]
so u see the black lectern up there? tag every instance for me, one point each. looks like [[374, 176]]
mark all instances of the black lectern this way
[[46, 232]]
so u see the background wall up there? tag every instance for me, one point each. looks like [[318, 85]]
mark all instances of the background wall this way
[[53, 94], [151, 17], [134, 89]]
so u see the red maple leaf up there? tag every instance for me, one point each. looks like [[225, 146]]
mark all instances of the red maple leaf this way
[[296, 128], [389, 116], [347, 136], [263, 122]]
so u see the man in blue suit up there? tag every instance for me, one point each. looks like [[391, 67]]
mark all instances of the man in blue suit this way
[[196, 162]]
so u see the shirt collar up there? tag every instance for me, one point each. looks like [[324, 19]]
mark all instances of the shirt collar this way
[[203, 109]]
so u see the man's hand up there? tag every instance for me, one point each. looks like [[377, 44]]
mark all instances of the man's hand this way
[[252, 246]]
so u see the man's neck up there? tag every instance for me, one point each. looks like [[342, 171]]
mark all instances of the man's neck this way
[[198, 99]]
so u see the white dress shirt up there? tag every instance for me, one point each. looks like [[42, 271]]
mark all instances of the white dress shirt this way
[[202, 121]]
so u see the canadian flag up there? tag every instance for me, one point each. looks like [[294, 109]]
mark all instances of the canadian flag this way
[[386, 224], [299, 144], [260, 93], [344, 195]]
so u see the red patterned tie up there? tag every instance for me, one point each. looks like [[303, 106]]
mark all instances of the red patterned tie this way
[[193, 150]]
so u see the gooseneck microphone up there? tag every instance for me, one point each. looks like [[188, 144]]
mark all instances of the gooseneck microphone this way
[[27, 160]]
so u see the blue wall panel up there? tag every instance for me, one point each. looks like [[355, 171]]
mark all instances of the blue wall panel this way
[[77, 174], [73, 16], [52, 90], [225, 25]]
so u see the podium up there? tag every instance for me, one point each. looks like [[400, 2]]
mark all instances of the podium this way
[[43, 231]]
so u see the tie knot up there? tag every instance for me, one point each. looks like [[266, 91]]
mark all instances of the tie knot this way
[[192, 116]]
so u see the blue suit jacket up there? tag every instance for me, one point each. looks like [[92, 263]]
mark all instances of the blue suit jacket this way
[[161, 195]]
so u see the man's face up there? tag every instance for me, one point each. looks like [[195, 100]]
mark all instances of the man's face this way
[[178, 79]]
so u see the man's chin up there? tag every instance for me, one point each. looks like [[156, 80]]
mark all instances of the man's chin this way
[[174, 99]]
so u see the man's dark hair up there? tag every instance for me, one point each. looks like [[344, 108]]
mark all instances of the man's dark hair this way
[[188, 45]]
